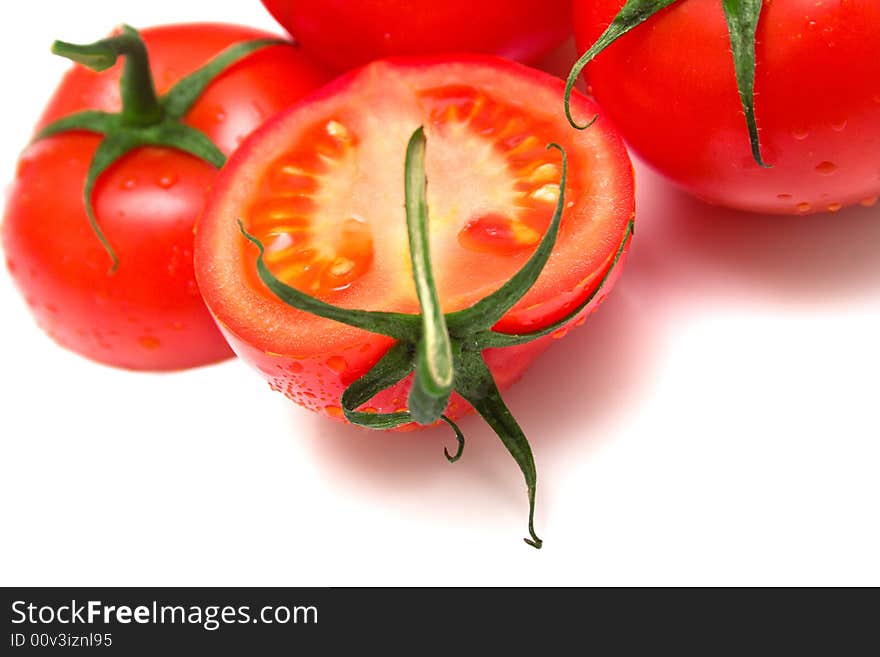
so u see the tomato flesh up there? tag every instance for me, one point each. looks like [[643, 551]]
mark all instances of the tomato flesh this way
[[149, 313], [332, 170]]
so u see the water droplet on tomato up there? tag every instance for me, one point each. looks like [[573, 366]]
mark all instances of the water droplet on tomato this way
[[128, 183], [803, 207], [149, 342], [220, 116], [167, 181], [800, 133], [826, 168], [561, 333], [869, 202], [334, 411], [581, 321], [177, 326], [784, 197], [834, 207], [839, 126]]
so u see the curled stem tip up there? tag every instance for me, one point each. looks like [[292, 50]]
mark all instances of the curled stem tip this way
[[459, 436], [534, 541], [569, 87], [633, 13]]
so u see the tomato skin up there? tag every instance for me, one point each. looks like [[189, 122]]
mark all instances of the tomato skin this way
[[669, 86], [314, 366], [346, 34], [149, 314]]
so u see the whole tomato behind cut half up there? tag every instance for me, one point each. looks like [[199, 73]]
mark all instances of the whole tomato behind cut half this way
[[670, 85], [345, 34], [343, 221], [146, 313]]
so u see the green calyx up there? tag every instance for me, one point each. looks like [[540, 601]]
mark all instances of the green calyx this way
[[146, 119], [742, 22], [443, 351]]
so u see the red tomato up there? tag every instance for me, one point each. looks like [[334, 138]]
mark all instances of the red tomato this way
[[345, 34], [322, 187], [669, 86], [148, 314]]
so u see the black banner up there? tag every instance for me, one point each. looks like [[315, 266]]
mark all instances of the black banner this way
[[269, 621]]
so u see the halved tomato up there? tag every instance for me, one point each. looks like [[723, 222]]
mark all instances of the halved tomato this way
[[322, 187]]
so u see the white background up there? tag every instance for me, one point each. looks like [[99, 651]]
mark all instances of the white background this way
[[716, 421]]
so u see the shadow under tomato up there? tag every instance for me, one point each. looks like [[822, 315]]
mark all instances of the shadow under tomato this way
[[687, 259], [582, 382], [694, 253], [559, 61]]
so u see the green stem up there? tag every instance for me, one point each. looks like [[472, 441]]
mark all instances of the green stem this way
[[140, 103], [742, 23], [145, 119], [742, 20], [432, 383], [493, 339], [395, 325], [441, 361], [488, 310], [632, 14], [478, 387], [459, 436]]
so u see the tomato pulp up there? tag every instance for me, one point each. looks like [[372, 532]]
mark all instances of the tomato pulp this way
[[345, 34], [148, 314], [669, 86], [322, 187]]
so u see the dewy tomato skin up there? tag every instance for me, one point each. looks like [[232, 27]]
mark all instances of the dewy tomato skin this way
[[148, 314], [346, 34], [370, 113], [669, 86]]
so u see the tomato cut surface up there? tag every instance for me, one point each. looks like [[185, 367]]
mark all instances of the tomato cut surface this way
[[322, 188]]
